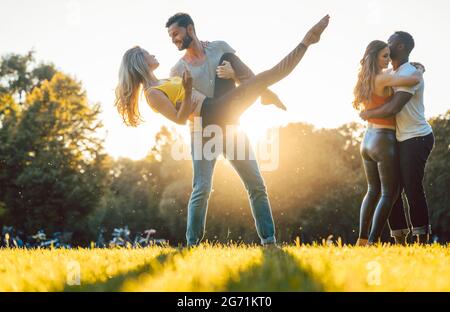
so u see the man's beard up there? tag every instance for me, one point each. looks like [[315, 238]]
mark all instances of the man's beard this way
[[186, 42]]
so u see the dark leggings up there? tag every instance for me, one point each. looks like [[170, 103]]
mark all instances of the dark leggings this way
[[228, 107], [380, 159]]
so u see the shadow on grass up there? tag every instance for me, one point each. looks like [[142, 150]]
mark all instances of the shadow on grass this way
[[114, 284], [279, 271]]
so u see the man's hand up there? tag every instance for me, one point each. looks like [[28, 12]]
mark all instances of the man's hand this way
[[364, 115], [226, 71], [313, 35]]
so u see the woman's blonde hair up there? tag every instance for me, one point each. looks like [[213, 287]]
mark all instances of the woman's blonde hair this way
[[367, 73], [133, 73]]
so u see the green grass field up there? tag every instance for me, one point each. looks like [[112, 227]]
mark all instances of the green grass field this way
[[228, 268]]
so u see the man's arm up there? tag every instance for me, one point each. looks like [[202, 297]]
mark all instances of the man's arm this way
[[389, 109]]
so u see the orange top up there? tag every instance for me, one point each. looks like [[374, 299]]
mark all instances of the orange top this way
[[378, 101]]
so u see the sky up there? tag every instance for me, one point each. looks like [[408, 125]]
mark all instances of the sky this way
[[87, 39]]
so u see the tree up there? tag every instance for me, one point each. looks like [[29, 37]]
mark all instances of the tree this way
[[16, 76], [437, 178], [53, 172], [131, 197]]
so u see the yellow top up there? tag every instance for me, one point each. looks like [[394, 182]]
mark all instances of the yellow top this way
[[173, 89]]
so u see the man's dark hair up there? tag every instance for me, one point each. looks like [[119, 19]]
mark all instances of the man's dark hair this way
[[182, 20], [406, 39]]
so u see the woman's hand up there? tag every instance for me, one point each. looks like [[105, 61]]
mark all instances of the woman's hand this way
[[364, 115], [187, 80], [226, 71], [204, 44], [419, 67]]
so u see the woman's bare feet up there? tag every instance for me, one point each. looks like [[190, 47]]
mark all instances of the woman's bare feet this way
[[313, 35], [362, 242]]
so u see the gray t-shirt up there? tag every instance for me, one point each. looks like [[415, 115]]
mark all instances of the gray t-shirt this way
[[203, 76], [411, 121]]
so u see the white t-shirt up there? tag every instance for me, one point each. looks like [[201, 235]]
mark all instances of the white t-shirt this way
[[411, 121]]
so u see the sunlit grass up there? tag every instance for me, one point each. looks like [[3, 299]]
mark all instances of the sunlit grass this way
[[229, 267], [206, 268], [380, 268], [51, 270]]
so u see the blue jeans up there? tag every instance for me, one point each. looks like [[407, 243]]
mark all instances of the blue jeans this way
[[250, 175]]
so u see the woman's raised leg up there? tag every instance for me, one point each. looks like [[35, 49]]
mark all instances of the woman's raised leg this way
[[235, 102]]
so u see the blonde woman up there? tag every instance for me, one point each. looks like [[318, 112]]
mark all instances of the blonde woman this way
[[379, 146], [175, 98]]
